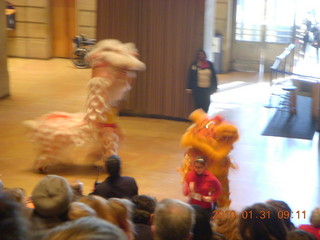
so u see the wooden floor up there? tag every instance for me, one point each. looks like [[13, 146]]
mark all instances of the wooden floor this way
[[269, 167]]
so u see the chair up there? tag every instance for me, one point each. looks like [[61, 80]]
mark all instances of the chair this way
[[283, 97], [288, 99]]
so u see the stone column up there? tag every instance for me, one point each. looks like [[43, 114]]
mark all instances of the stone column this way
[[209, 28]]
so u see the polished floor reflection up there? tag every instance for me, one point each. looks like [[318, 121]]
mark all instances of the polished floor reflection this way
[[268, 167]]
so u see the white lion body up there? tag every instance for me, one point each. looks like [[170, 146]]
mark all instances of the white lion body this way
[[55, 132]]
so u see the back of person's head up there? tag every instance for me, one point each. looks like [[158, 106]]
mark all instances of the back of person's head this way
[[202, 228], [12, 223], [143, 208], [78, 210], [77, 188], [173, 220], [226, 223], [283, 209], [97, 203], [261, 221], [16, 194], [52, 196], [315, 217], [298, 234], [119, 213], [86, 228], [113, 166]]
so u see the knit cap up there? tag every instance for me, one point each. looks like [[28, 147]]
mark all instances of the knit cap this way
[[52, 196]]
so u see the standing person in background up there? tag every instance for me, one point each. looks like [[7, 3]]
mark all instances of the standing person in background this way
[[306, 27], [202, 82], [316, 39]]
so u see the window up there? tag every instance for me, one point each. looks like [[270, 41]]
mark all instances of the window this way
[[249, 18], [280, 21], [265, 21]]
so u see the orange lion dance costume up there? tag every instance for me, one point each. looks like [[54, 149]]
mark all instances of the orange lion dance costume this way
[[212, 138], [113, 67]]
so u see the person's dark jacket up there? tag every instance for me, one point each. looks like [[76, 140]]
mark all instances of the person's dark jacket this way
[[117, 187], [193, 77], [143, 232]]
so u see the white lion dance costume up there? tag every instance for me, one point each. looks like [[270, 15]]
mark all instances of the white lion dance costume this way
[[212, 138], [113, 67]]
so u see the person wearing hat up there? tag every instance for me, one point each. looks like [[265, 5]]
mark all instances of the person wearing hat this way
[[201, 186], [115, 186], [51, 198]]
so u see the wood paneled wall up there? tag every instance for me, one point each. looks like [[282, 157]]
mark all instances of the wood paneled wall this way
[[86, 18], [62, 27], [31, 37], [167, 34]]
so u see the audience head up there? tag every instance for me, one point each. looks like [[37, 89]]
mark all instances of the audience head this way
[[12, 223], [119, 213], [86, 228], [261, 221], [78, 210], [98, 204], [77, 188], [284, 208], [315, 217], [113, 166], [298, 234], [52, 196], [16, 194], [227, 224], [202, 228], [143, 208], [173, 220], [114, 210]]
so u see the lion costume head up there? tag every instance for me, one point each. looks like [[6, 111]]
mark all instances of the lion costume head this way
[[211, 135]]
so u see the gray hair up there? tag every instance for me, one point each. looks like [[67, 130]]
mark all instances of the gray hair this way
[[315, 217], [78, 210], [86, 228], [173, 220]]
